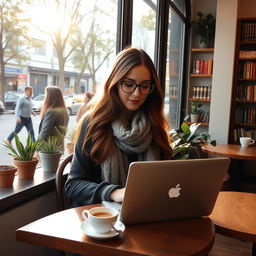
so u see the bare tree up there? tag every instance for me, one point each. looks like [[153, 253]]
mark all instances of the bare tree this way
[[93, 49], [13, 36], [62, 37]]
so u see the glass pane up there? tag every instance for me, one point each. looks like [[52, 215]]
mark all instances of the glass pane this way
[[73, 46], [180, 4], [174, 68], [144, 26]]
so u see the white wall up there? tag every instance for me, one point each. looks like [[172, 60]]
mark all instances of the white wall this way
[[225, 36]]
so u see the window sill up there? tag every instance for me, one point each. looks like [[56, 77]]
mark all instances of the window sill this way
[[25, 190]]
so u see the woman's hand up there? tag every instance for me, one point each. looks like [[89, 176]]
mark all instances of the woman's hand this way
[[117, 195]]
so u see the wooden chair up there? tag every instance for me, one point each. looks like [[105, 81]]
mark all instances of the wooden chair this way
[[60, 180]]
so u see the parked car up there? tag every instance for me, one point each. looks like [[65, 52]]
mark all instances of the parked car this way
[[73, 103], [10, 99], [37, 102], [1, 107]]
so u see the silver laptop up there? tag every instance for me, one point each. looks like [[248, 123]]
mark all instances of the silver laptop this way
[[172, 189]]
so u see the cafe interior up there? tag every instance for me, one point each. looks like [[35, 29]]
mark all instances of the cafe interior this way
[[34, 215]]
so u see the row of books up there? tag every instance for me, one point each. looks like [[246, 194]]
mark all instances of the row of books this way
[[202, 67], [247, 54], [242, 132], [248, 31], [247, 70], [246, 92], [203, 116], [201, 92], [246, 115]]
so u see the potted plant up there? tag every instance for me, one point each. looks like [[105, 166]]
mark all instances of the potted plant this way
[[195, 107], [204, 28], [186, 144], [50, 151], [7, 173], [23, 156]]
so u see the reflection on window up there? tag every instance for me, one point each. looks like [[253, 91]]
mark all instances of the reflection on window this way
[[144, 26], [173, 83]]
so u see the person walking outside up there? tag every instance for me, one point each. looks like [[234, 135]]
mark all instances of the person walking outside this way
[[23, 111], [54, 115], [84, 107]]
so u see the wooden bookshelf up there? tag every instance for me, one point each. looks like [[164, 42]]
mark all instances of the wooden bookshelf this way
[[202, 49], [198, 99], [200, 75], [200, 82], [243, 103], [202, 124]]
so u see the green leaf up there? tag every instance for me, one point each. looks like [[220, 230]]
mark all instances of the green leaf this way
[[185, 128]]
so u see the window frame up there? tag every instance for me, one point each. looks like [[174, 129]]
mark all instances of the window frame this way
[[124, 38]]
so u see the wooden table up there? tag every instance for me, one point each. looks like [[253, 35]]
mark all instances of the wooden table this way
[[62, 231], [234, 215], [232, 151], [237, 154]]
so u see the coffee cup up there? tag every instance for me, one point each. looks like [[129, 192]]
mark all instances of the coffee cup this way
[[246, 141], [101, 219]]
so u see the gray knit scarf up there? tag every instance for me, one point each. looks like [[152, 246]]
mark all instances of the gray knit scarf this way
[[137, 140]]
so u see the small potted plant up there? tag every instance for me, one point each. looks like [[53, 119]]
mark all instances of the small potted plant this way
[[187, 143], [23, 156], [195, 107], [204, 28], [50, 151], [7, 173]]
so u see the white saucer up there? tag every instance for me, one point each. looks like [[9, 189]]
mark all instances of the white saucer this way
[[89, 231]]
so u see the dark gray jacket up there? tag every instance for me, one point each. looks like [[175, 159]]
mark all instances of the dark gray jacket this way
[[85, 184], [52, 118]]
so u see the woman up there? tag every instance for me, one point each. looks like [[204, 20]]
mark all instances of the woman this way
[[54, 115], [83, 108], [126, 125]]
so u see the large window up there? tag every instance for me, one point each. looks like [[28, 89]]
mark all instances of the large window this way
[[79, 38]]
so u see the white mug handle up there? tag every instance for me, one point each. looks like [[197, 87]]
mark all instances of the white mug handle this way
[[85, 214], [252, 141]]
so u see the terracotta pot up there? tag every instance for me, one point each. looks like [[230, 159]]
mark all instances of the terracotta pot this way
[[26, 169], [70, 148], [7, 173]]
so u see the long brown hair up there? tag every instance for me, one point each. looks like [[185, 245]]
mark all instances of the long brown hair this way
[[53, 99], [109, 108]]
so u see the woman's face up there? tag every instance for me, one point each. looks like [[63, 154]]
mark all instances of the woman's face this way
[[139, 75]]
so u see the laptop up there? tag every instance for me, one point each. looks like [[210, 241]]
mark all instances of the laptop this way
[[171, 189]]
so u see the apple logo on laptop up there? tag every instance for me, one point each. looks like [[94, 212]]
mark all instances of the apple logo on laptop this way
[[174, 192]]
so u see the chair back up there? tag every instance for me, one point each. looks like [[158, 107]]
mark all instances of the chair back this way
[[60, 180]]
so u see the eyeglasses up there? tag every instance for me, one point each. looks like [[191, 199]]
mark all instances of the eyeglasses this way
[[130, 86]]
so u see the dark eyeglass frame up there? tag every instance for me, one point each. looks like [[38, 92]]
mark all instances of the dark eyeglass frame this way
[[136, 85]]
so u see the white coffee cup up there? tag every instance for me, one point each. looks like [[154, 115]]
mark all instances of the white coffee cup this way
[[101, 219], [246, 141]]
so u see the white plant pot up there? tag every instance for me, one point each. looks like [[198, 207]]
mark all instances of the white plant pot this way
[[50, 162], [194, 118]]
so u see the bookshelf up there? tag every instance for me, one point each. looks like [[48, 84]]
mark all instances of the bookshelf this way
[[200, 82], [243, 106]]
